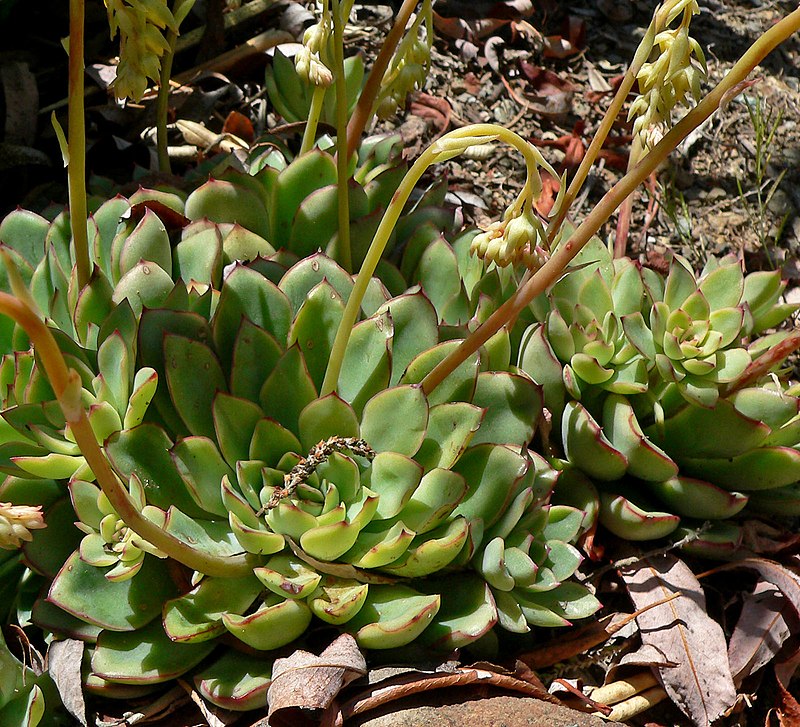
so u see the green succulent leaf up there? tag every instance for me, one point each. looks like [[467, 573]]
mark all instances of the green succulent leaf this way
[[315, 326], [632, 521], [197, 615], [83, 591], [513, 405], [288, 390], [587, 447], [235, 420], [762, 468], [326, 417], [223, 201], [400, 404], [367, 361], [393, 616], [147, 656], [458, 386], [277, 622], [451, 429], [337, 600], [493, 475], [236, 681]]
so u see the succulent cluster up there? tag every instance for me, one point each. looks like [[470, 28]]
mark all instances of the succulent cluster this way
[[635, 367], [201, 353]]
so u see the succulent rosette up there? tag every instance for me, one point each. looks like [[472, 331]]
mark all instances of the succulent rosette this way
[[634, 368], [375, 508]]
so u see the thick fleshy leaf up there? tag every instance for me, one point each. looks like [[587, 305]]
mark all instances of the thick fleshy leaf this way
[[255, 354], [306, 174], [416, 329], [493, 475], [381, 548], [451, 429], [248, 294], [570, 600], [25, 232], [537, 359], [513, 405], [145, 452], [197, 615], [467, 612], [698, 499], [147, 241], [236, 681], [725, 432], [458, 386], [627, 519], [645, 460], [52, 545], [222, 201], [367, 361], [437, 495], [209, 536], [288, 390], [393, 477], [199, 462], [437, 273], [288, 577], [243, 245], [199, 257], [337, 600], [393, 616], [326, 417], [407, 408], [147, 656], [764, 468], [307, 274], [315, 326], [144, 285], [235, 420], [680, 283], [85, 592], [435, 551], [587, 447], [277, 622], [782, 501]]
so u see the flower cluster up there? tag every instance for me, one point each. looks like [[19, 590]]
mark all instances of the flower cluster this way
[[514, 239], [677, 69], [308, 61], [16, 522], [142, 43]]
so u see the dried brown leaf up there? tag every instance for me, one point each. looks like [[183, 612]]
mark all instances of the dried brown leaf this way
[[779, 575], [304, 680], [759, 633], [410, 683], [701, 684], [64, 665]]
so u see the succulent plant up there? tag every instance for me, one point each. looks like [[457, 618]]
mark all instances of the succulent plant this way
[[634, 368], [377, 509]]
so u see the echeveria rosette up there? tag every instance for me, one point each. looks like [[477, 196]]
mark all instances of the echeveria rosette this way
[[693, 338], [361, 542]]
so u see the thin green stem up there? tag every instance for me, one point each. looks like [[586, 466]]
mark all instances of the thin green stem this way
[[363, 109], [310, 133], [76, 134], [66, 386], [162, 103], [342, 156], [555, 266], [446, 147]]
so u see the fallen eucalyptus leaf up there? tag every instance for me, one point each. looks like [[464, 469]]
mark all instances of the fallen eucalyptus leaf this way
[[759, 633], [306, 681], [701, 684], [64, 665]]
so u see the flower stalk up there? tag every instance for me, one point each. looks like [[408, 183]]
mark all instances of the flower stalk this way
[[76, 166]]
